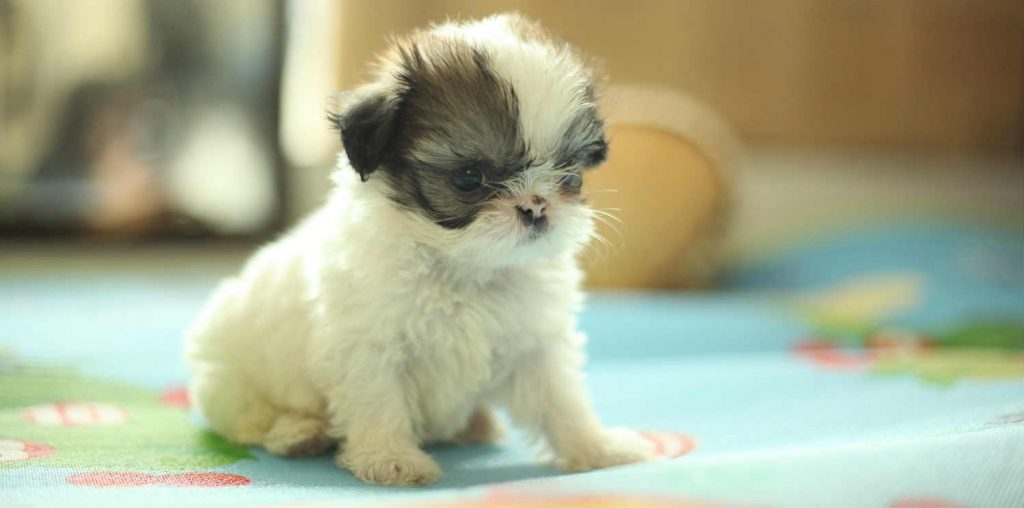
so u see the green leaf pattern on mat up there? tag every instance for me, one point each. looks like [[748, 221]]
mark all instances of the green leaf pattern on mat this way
[[856, 313], [151, 435], [980, 350], [945, 366], [986, 334]]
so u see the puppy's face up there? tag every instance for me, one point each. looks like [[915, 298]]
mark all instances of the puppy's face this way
[[483, 132]]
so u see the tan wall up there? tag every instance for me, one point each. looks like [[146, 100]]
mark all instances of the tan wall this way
[[934, 74]]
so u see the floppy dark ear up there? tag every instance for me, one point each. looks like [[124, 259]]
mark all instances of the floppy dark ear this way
[[594, 154], [366, 122]]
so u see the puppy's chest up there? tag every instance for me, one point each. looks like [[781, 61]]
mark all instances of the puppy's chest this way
[[461, 343], [467, 323]]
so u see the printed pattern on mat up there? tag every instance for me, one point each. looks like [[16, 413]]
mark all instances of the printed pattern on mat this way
[[125, 479], [100, 425]]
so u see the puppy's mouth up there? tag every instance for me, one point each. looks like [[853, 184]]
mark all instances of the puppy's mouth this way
[[535, 231]]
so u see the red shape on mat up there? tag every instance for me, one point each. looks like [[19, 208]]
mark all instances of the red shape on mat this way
[[669, 444], [205, 480], [136, 479], [833, 356], [75, 414], [175, 397], [16, 449]]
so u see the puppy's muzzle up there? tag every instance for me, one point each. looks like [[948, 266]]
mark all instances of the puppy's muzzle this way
[[533, 212]]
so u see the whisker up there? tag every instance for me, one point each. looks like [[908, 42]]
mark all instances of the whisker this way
[[615, 229], [605, 217], [601, 249], [606, 214]]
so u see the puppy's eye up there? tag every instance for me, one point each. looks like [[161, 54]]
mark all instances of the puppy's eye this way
[[468, 179], [571, 182]]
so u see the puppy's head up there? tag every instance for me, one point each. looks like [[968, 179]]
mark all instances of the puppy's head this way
[[482, 131]]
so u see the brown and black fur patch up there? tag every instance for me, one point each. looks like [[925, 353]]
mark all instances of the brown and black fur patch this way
[[439, 109], [456, 114]]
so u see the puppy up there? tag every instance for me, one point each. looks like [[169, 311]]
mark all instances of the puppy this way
[[439, 278]]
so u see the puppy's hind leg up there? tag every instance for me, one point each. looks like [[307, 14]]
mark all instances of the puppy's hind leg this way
[[297, 435], [233, 409]]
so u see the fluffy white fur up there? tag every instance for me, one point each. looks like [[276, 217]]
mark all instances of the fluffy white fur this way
[[371, 326]]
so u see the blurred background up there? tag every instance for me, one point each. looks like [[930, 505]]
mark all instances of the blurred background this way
[[734, 124]]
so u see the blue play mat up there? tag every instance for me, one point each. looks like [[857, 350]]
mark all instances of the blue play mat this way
[[877, 366]]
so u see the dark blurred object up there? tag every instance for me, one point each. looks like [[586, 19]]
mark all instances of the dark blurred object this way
[[140, 117]]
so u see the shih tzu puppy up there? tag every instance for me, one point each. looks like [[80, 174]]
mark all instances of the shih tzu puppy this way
[[438, 280]]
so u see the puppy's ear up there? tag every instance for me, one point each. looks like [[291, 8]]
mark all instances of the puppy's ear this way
[[366, 120]]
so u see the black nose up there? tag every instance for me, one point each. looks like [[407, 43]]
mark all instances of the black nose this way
[[530, 219]]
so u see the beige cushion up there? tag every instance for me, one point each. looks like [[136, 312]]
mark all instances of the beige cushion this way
[[665, 183]]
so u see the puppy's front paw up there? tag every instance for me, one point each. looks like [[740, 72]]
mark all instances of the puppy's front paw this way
[[613, 447], [404, 467]]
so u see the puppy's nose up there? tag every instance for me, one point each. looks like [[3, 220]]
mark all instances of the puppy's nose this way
[[532, 212]]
